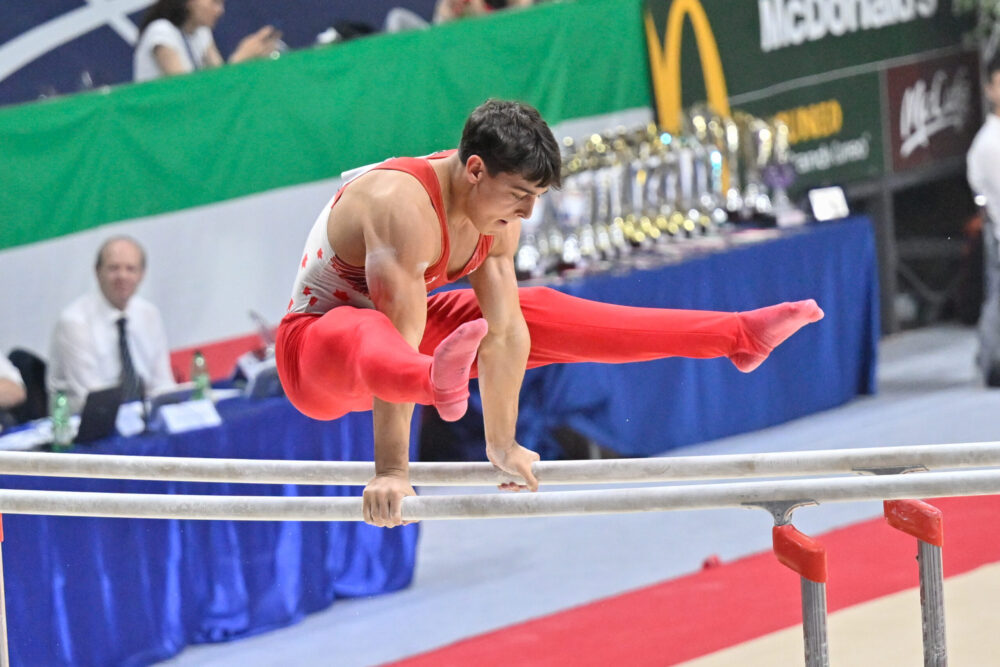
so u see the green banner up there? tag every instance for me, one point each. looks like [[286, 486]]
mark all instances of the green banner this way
[[771, 42], [753, 60], [72, 164], [835, 129]]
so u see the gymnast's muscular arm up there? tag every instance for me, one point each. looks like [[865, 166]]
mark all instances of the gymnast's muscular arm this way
[[503, 355], [401, 238]]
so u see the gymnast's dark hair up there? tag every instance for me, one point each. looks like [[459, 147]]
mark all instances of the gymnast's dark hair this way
[[175, 11], [511, 137]]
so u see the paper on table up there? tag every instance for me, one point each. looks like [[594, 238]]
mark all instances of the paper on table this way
[[130, 420], [38, 433], [189, 416]]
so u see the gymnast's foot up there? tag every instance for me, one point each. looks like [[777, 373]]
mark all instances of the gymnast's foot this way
[[451, 366], [767, 328]]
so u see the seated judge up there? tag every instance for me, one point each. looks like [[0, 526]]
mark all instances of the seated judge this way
[[111, 336]]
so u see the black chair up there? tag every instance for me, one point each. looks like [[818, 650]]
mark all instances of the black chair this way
[[32, 369]]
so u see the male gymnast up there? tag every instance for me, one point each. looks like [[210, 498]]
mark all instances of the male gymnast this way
[[362, 333]]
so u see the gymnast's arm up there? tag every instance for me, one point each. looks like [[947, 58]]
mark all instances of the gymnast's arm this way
[[398, 247], [503, 356]]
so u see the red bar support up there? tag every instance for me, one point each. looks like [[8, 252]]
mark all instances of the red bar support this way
[[800, 552], [917, 518]]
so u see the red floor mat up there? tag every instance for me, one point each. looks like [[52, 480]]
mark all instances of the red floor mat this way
[[684, 618]]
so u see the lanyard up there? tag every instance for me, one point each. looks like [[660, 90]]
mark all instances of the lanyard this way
[[187, 46]]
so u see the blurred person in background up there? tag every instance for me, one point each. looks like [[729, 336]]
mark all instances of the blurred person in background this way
[[111, 336], [983, 164], [400, 19], [449, 10], [176, 38], [12, 392]]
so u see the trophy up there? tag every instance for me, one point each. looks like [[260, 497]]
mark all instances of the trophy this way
[[707, 136], [575, 219], [690, 170], [780, 174], [632, 151], [758, 143], [608, 197], [731, 146], [646, 189], [670, 218], [528, 261]]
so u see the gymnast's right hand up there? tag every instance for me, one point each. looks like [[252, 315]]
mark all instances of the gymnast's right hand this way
[[514, 459], [383, 499]]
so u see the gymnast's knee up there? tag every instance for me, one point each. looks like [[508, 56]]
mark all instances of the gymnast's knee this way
[[538, 296]]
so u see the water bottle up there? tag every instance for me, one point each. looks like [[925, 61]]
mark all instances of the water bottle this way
[[62, 436], [199, 376]]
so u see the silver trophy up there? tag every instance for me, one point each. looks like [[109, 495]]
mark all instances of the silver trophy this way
[[779, 174], [731, 151], [671, 218], [707, 138], [758, 143]]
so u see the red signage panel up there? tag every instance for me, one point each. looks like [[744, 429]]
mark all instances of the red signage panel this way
[[934, 109]]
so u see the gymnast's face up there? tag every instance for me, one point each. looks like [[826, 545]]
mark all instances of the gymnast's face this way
[[498, 200], [120, 272]]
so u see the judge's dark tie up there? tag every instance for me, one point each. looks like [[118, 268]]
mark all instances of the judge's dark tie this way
[[131, 384]]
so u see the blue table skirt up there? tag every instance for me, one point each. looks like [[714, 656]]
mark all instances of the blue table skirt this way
[[641, 409], [106, 592]]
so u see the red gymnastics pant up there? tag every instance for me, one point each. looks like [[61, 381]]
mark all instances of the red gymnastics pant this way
[[334, 363]]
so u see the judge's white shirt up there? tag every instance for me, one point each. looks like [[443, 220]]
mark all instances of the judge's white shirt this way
[[983, 164], [162, 32], [85, 356]]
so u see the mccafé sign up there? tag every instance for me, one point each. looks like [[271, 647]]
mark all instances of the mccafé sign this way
[[933, 109]]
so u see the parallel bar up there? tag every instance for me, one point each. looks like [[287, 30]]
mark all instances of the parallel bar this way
[[609, 471], [500, 505]]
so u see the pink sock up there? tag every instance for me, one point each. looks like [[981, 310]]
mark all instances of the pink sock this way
[[767, 328], [451, 366]]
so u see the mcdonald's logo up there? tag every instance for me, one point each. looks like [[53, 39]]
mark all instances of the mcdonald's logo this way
[[665, 62]]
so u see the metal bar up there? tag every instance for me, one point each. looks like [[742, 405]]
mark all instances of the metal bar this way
[[932, 604], [610, 471], [504, 505], [814, 623]]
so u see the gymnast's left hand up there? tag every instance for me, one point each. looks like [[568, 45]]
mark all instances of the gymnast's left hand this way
[[516, 460], [383, 499]]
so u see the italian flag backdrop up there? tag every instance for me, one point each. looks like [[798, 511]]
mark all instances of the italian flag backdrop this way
[[221, 174]]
